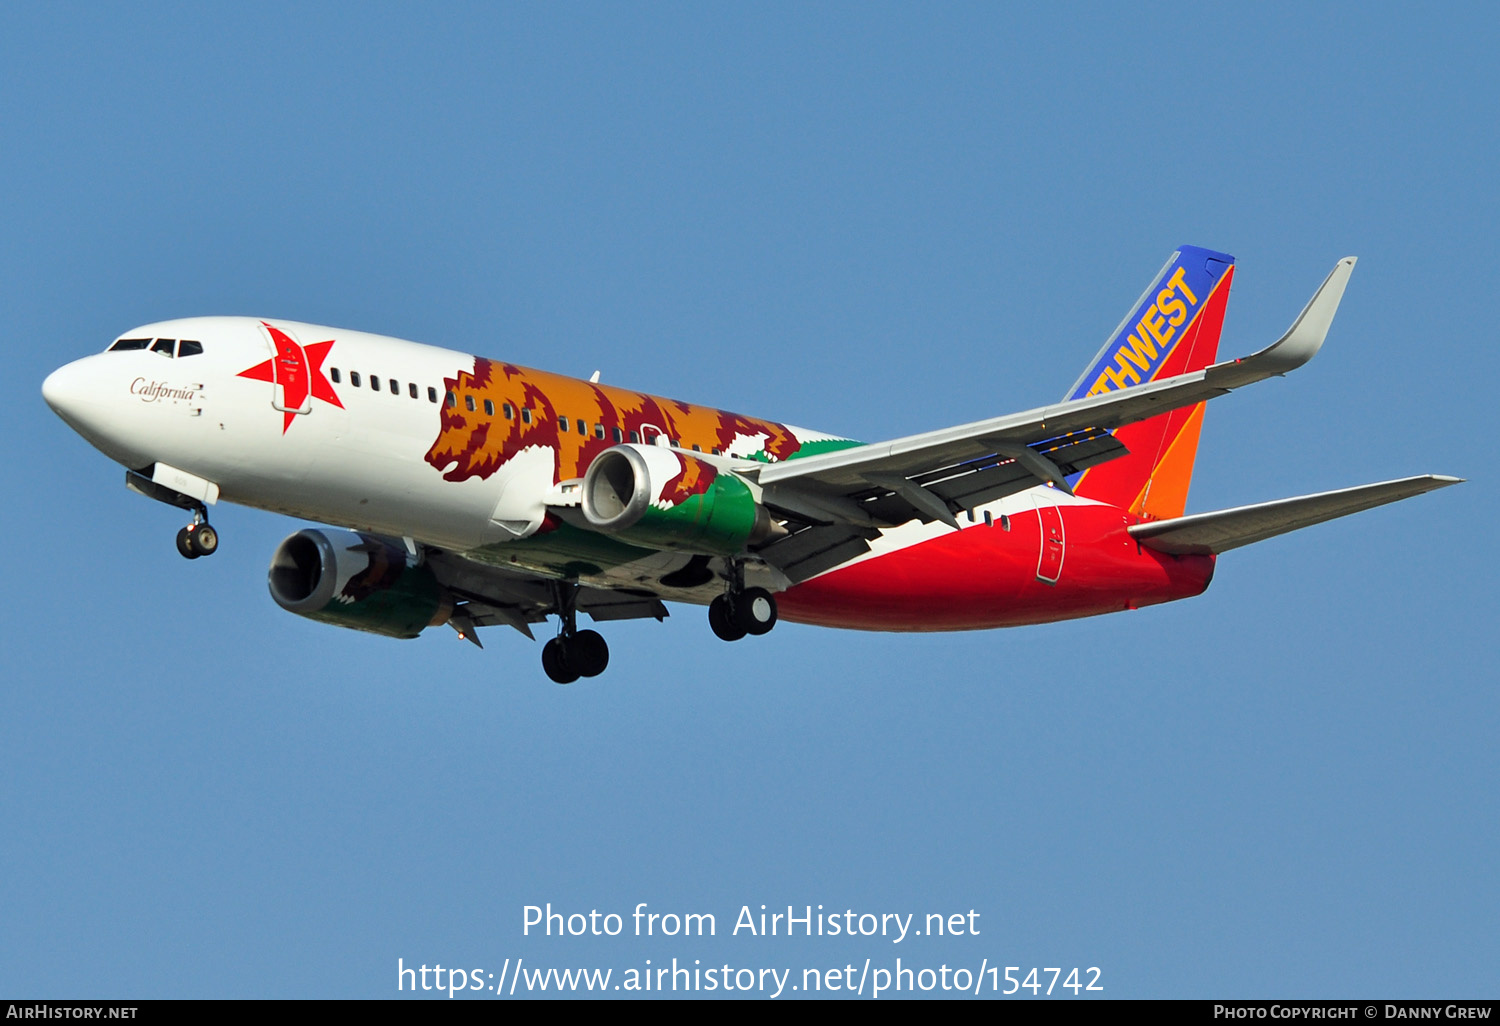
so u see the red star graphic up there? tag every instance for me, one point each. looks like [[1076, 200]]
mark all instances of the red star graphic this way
[[298, 370]]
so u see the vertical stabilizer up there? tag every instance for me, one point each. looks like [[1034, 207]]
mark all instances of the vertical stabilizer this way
[[1172, 329]]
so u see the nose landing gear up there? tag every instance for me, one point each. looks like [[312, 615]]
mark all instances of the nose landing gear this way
[[198, 538], [573, 653]]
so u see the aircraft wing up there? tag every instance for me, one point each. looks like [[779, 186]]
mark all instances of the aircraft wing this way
[[492, 595], [847, 497], [1227, 529]]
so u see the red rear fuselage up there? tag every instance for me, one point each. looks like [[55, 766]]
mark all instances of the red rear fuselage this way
[[994, 575]]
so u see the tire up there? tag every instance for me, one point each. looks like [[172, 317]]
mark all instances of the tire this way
[[205, 539], [588, 652], [185, 543], [721, 622], [755, 611], [555, 663]]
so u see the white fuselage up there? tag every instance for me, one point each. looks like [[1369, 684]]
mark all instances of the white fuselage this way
[[359, 464]]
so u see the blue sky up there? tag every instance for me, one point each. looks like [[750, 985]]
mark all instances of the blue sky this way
[[868, 219]]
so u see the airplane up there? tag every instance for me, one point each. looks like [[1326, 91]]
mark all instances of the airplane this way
[[473, 492]]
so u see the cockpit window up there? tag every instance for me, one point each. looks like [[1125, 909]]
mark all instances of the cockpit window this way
[[129, 343], [165, 346], [187, 347]]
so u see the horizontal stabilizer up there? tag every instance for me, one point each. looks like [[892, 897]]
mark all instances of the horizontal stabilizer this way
[[1228, 529]]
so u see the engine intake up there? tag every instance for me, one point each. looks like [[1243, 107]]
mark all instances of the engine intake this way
[[669, 499], [359, 581]]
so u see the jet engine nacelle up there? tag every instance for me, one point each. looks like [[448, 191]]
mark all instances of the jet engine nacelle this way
[[666, 498], [359, 581]]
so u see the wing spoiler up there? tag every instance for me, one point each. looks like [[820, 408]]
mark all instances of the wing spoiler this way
[[1227, 529]]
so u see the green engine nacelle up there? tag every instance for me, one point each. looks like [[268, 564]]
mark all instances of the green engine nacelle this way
[[359, 581], [668, 499]]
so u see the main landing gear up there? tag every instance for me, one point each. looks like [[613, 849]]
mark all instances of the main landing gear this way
[[198, 538], [573, 653], [741, 610]]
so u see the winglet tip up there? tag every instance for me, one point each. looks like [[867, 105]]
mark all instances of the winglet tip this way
[[1308, 332]]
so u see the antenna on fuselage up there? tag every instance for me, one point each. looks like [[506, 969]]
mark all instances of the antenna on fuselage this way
[[594, 378]]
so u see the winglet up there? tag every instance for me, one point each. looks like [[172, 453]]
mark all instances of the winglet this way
[[1305, 337], [1301, 341]]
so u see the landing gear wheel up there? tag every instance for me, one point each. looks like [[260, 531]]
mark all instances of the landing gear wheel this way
[[587, 652], [555, 662], [205, 540], [721, 620], [573, 653], [185, 544], [755, 611]]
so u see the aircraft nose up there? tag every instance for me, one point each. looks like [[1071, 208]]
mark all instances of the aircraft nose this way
[[84, 394], [64, 390]]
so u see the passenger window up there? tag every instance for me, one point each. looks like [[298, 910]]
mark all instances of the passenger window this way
[[412, 389], [526, 416], [599, 431], [562, 424], [129, 343], [354, 378], [395, 387], [469, 402], [716, 451], [619, 436], [635, 436], [333, 375], [188, 348], [489, 407], [431, 394], [452, 399], [164, 346], [375, 382], [508, 410], [696, 449]]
